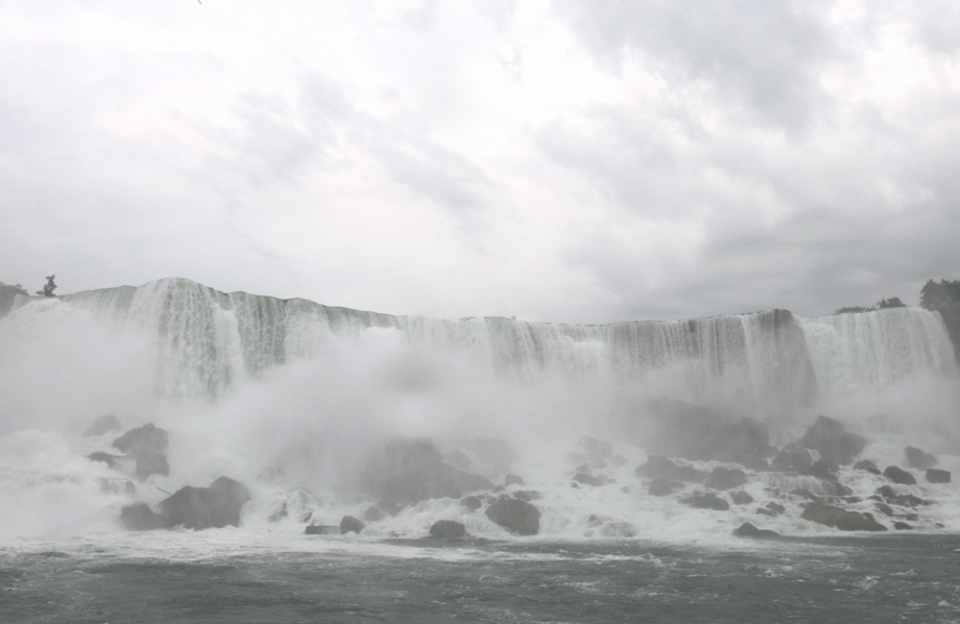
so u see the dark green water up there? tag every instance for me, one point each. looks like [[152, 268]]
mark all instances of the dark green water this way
[[892, 579]]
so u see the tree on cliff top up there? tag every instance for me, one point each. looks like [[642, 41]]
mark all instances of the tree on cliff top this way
[[937, 296], [48, 288]]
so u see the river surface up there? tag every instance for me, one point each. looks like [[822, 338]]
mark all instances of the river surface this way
[[221, 576]]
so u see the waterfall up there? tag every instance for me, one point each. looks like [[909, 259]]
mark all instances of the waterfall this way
[[766, 364]]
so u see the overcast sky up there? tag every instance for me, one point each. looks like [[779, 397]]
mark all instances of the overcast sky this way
[[567, 160]]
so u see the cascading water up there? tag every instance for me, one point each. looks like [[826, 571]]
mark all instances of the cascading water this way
[[206, 340]]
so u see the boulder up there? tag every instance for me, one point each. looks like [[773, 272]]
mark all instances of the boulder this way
[[776, 508], [935, 475], [374, 514], [471, 502], [492, 451], [203, 508], [706, 500], [151, 463], [659, 467], [322, 529], [586, 479], [899, 475], [902, 526], [919, 459], [698, 433], [105, 458], [830, 438], [748, 530], [147, 438], [792, 458], [840, 518], [512, 479], [867, 465], [102, 425], [447, 529], [824, 469], [140, 517], [721, 478], [595, 449], [886, 493], [741, 498], [515, 515], [663, 487], [349, 524], [407, 471]]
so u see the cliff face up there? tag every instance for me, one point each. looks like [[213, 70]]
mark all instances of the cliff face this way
[[8, 295]]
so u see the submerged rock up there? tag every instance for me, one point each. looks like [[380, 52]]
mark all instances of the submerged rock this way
[[841, 519], [515, 515], [448, 529], [899, 475]]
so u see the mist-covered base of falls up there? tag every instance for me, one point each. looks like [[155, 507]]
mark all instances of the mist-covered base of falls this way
[[293, 400]]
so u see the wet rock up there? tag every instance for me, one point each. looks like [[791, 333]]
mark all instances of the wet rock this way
[[492, 451], [512, 479], [407, 471], [699, 433], [140, 517], [374, 514], [595, 449], [741, 498], [899, 475], [749, 530], [322, 529], [663, 487], [760, 511], [887, 494], [106, 458], [792, 458], [824, 469], [349, 524], [838, 518], [526, 495], [902, 526], [151, 463], [202, 508], [830, 438], [459, 459], [918, 459], [659, 467], [776, 508], [147, 438], [721, 478], [935, 475], [447, 529], [586, 479], [471, 502], [102, 425], [515, 515], [867, 465], [884, 509], [706, 500]]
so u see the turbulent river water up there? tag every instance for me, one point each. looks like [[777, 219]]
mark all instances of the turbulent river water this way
[[291, 398]]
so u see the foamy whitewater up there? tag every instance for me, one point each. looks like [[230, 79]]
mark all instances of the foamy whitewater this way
[[292, 399]]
